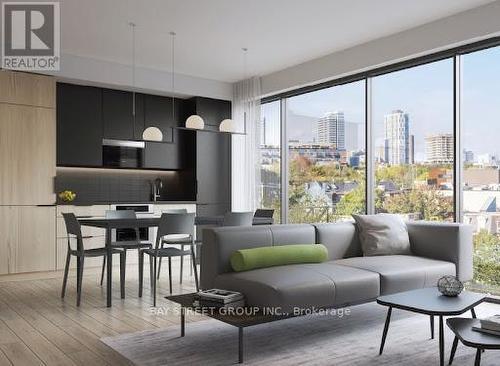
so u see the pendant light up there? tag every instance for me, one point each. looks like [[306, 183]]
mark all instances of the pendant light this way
[[150, 133], [194, 121]]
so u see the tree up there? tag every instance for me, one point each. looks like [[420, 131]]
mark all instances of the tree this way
[[352, 202]]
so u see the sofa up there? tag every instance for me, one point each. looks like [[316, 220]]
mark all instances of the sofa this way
[[347, 278]]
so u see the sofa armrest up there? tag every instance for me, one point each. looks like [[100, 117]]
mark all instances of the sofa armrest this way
[[450, 242]]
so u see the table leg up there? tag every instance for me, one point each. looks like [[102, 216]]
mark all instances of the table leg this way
[[432, 326], [109, 267], [386, 328], [477, 361], [183, 322], [240, 345], [453, 350], [441, 341], [473, 312]]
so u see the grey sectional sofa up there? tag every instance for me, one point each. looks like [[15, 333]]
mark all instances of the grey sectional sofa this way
[[347, 278]]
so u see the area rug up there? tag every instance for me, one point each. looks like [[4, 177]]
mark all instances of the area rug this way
[[353, 339]]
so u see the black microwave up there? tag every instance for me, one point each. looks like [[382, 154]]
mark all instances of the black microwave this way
[[122, 153]]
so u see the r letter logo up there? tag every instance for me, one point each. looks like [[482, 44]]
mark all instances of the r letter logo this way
[[31, 37]]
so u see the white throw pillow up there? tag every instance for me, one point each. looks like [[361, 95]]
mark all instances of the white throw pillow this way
[[382, 234]]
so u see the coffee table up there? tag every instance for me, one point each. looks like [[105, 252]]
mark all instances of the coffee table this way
[[462, 327], [429, 301], [246, 319]]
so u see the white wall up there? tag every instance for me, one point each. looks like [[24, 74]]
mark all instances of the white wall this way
[[472, 25], [88, 71]]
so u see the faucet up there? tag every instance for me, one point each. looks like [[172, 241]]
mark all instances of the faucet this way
[[156, 185]]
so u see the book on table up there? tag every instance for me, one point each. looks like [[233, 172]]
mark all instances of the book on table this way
[[219, 296], [486, 331], [491, 323]]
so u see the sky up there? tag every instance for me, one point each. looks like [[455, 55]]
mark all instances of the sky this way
[[424, 92]]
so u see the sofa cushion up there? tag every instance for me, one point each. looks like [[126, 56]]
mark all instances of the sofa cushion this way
[[383, 234], [280, 255], [352, 285], [341, 239], [302, 285], [402, 272]]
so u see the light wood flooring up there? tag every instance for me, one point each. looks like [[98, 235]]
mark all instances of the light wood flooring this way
[[37, 327]]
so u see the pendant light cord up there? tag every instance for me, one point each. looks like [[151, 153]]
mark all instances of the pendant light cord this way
[[173, 34], [132, 25]]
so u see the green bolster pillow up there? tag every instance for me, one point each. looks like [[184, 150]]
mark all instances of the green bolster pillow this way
[[263, 257]]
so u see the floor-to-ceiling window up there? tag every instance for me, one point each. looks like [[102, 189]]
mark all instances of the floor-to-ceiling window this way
[[270, 159], [481, 152], [413, 141], [325, 130]]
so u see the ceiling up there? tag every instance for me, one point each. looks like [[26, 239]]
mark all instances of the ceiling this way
[[211, 33]]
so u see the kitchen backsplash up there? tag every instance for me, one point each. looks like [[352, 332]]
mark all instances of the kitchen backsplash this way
[[104, 185]]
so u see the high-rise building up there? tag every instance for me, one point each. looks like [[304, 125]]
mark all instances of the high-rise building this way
[[468, 156], [399, 145], [351, 136], [440, 148], [331, 130]]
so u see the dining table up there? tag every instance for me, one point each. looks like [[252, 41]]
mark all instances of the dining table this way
[[110, 224]]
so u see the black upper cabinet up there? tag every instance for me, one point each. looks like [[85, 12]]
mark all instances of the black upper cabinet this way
[[120, 121], [158, 113], [213, 111], [79, 125]]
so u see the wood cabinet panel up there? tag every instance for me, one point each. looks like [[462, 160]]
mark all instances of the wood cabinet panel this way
[[27, 89], [27, 155], [36, 250], [28, 242]]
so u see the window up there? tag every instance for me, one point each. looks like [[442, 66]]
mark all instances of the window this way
[[270, 158], [326, 154], [412, 117], [481, 175]]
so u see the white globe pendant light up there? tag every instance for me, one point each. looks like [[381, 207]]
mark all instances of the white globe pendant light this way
[[195, 122], [152, 134], [226, 125]]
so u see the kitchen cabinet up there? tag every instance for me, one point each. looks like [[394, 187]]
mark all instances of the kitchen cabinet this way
[[27, 155], [158, 113], [79, 125], [119, 121], [27, 243], [27, 89], [158, 155], [213, 111], [213, 172]]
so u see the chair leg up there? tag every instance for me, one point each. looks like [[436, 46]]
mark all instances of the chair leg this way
[[103, 268], [159, 264], [123, 264], [152, 272], [141, 271], [79, 280], [65, 278], [195, 269], [154, 280], [182, 264], [170, 274]]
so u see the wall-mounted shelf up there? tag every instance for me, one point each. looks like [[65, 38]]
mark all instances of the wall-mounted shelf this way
[[212, 131]]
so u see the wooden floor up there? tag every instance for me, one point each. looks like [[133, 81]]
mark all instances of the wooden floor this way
[[37, 327]]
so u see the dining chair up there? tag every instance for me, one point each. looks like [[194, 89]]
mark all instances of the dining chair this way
[[170, 224], [174, 240], [238, 219], [128, 244], [74, 231]]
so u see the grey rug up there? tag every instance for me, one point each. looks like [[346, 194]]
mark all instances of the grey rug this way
[[311, 340]]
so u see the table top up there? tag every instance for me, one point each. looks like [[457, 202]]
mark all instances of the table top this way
[[241, 321], [431, 302], [462, 327], [151, 221]]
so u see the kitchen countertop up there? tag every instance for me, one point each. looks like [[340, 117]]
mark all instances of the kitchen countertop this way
[[125, 203]]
